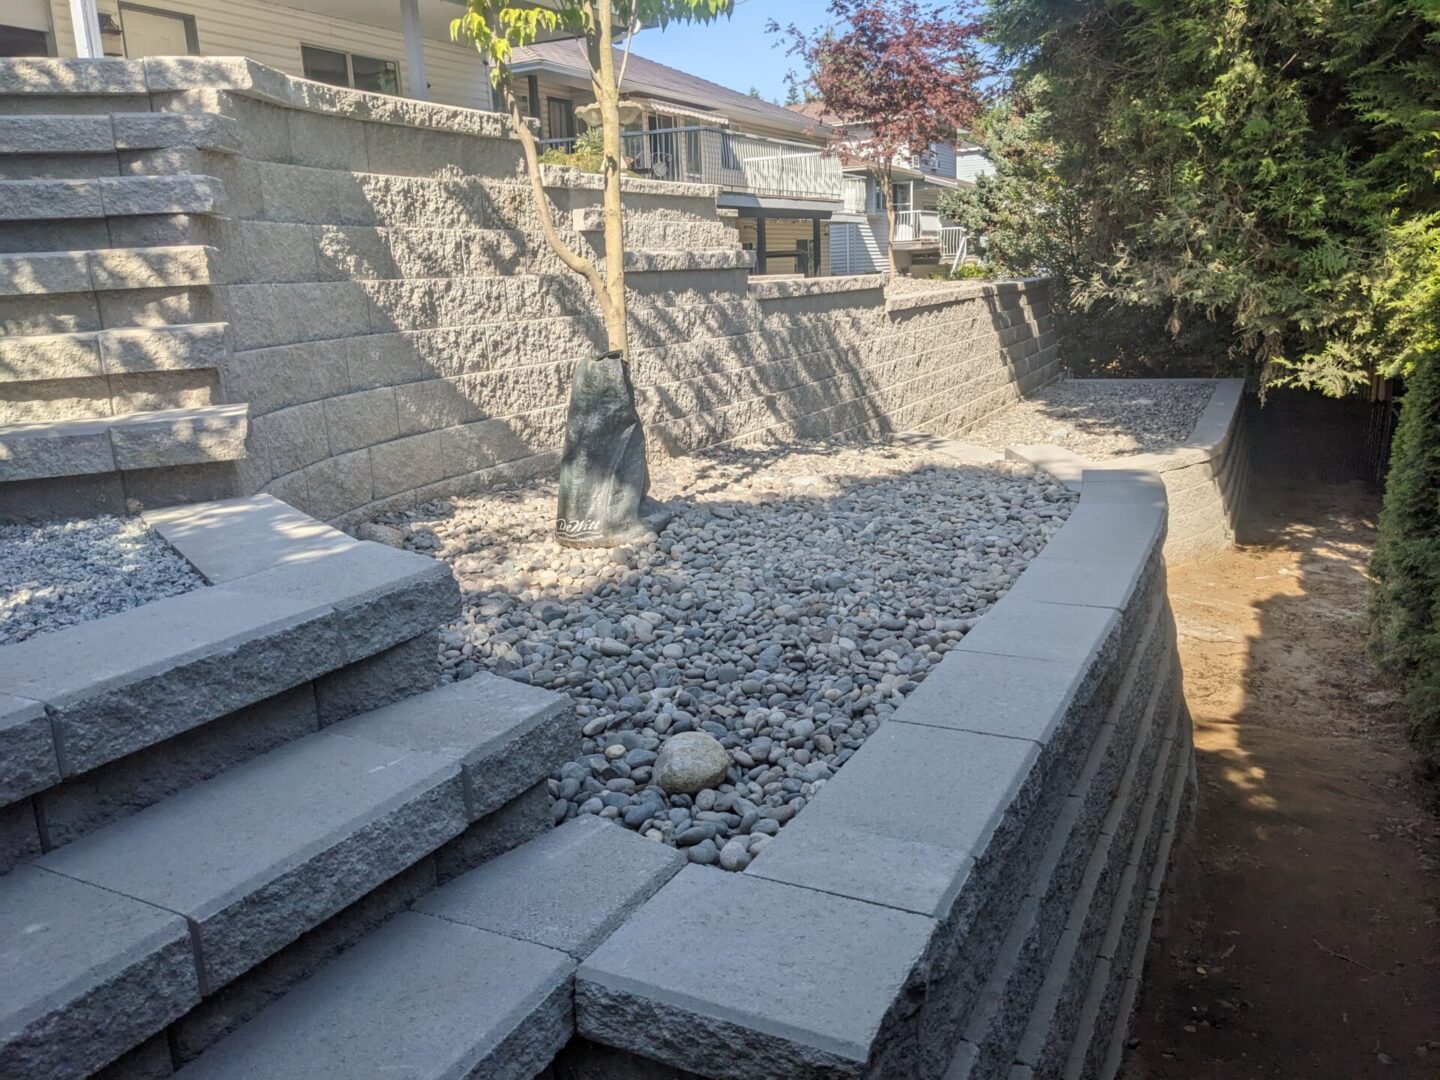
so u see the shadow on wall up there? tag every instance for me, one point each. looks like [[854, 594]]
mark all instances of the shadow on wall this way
[[462, 349]]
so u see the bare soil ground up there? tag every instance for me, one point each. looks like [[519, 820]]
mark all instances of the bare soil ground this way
[[1300, 937]]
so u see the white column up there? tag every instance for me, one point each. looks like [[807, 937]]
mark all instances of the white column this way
[[86, 21], [414, 49]]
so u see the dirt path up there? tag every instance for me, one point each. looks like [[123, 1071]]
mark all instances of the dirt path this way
[[1300, 936]]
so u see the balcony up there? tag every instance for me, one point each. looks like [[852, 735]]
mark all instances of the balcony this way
[[924, 228], [745, 164]]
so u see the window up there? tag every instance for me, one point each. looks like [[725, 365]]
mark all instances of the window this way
[[350, 69], [17, 41], [560, 118], [149, 31]]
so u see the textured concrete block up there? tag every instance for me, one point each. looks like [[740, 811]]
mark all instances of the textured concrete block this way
[[144, 131], [326, 820], [153, 195], [361, 419], [234, 538], [380, 596], [419, 997], [567, 890], [507, 735], [278, 252], [339, 484], [92, 973], [169, 348], [44, 272], [786, 1003], [119, 684], [185, 436], [19, 834], [50, 200], [49, 356], [42, 449], [519, 821], [292, 438], [86, 803], [27, 751], [150, 268], [406, 464], [283, 375], [412, 667], [55, 135], [915, 854]]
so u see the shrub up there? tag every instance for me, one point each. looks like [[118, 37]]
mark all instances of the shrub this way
[[1405, 612], [588, 155]]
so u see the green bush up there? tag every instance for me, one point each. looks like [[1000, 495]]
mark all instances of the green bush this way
[[1405, 613], [588, 155]]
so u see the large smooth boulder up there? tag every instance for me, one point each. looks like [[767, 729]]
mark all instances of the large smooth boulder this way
[[689, 762]]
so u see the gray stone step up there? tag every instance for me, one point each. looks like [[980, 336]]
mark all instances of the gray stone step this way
[[147, 440], [122, 351], [121, 196], [89, 974], [104, 133], [259, 855], [104, 270], [421, 997], [475, 981]]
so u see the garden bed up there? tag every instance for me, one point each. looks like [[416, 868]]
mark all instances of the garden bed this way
[[1100, 419], [794, 599], [57, 574]]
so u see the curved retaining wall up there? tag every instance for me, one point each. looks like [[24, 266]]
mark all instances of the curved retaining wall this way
[[1205, 476], [399, 330], [971, 896]]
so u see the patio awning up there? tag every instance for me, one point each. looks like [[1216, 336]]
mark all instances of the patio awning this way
[[710, 119]]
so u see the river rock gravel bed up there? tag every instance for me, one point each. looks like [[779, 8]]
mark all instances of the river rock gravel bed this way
[[1099, 418], [57, 574], [790, 604]]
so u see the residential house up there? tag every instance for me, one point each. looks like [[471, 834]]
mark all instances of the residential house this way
[[388, 46], [924, 241], [768, 161]]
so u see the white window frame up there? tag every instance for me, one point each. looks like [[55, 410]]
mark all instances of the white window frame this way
[[350, 64]]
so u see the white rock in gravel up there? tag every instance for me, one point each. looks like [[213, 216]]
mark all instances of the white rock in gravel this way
[[689, 762]]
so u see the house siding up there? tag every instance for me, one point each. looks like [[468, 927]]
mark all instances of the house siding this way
[[272, 35]]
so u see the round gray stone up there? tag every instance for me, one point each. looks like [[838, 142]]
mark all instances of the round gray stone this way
[[690, 762]]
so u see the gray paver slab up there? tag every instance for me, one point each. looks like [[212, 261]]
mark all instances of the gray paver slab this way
[[567, 889], [998, 695], [89, 973], [268, 849], [889, 832], [1064, 633], [118, 684], [233, 538], [737, 976], [381, 596], [507, 735], [419, 998]]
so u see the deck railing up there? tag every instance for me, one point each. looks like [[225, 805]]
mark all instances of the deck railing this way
[[736, 162]]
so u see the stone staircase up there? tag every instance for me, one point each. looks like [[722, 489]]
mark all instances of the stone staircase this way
[[209, 799], [112, 336]]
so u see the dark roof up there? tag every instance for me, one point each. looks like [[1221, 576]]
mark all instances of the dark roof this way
[[657, 79]]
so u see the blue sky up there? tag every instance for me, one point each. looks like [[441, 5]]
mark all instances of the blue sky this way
[[735, 52]]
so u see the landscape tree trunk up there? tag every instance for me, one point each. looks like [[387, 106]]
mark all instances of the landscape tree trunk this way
[[889, 187]]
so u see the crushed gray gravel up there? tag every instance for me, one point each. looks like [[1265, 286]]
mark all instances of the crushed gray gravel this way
[[1099, 418], [57, 574], [793, 601]]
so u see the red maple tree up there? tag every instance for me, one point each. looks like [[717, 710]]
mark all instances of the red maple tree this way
[[895, 76]]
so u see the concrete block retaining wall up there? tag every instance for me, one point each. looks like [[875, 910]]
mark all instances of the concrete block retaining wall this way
[[1205, 477], [972, 895], [398, 329]]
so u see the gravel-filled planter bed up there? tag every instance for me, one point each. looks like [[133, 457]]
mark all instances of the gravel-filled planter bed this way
[[57, 574], [790, 604], [1100, 419]]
